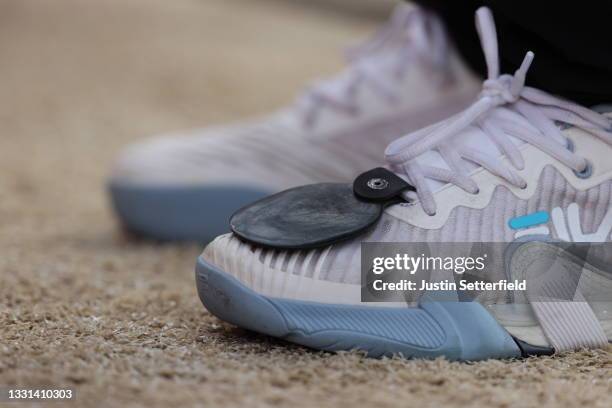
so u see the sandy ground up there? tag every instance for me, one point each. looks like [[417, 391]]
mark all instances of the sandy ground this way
[[82, 306]]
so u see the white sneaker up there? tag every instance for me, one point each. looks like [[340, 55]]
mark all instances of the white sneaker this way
[[185, 186], [518, 166]]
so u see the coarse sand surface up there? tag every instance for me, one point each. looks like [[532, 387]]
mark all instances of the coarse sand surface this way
[[84, 306]]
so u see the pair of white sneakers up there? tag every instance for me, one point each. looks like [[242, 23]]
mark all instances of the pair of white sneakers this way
[[494, 162]]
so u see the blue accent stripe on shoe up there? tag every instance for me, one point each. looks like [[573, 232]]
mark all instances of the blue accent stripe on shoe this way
[[529, 220]]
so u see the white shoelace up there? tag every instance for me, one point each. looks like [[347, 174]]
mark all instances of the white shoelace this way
[[379, 63], [506, 113]]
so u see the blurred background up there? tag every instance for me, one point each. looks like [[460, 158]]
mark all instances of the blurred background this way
[[80, 79]]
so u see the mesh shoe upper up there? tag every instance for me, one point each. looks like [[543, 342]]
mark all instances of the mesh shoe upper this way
[[516, 151]]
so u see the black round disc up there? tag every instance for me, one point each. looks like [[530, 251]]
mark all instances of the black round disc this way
[[310, 216]]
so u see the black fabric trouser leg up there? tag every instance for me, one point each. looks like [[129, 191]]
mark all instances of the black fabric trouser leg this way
[[572, 42]]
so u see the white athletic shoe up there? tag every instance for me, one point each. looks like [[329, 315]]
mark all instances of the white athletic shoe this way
[[185, 186], [519, 167]]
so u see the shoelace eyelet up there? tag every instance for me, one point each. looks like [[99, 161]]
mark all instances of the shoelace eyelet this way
[[586, 173]]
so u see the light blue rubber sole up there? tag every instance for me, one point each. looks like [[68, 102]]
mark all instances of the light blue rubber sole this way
[[455, 330], [179, 213]]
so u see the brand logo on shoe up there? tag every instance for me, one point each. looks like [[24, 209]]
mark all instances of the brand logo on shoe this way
[[570, 230]]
